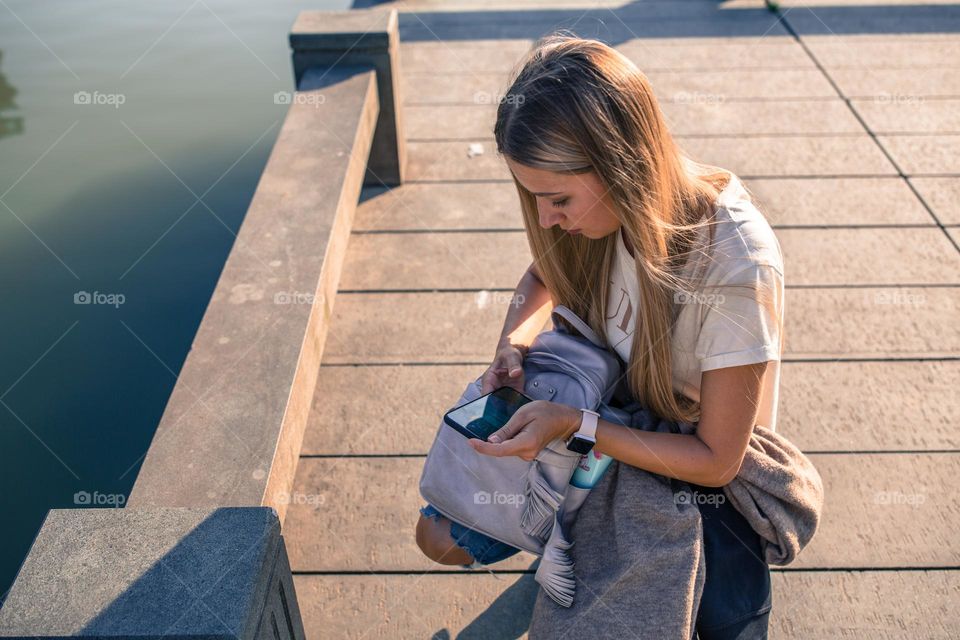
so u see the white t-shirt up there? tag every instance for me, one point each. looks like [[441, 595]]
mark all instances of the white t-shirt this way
[[718, 327]]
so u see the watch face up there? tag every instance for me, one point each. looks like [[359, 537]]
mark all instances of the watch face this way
[[580, 445]]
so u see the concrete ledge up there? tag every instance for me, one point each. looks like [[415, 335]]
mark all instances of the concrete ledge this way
[[185, 573], [232, 429], [360, 37]]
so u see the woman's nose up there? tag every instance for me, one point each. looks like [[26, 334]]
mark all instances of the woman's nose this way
[[547, 219]]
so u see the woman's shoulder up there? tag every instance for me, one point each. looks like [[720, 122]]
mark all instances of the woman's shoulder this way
[[742, 235]]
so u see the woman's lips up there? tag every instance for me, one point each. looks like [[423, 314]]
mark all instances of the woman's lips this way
[[573, 232]]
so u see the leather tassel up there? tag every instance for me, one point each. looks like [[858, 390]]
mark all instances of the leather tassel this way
[[555, 573], [542, 503]]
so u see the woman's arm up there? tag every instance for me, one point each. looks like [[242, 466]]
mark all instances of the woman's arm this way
[[528, 311], [711, 457]]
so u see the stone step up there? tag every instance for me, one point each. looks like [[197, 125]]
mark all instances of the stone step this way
[[881, 511]]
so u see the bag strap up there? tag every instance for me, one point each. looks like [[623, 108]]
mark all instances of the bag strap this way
[[567, 314]]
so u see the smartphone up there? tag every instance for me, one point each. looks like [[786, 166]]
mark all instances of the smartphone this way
[[481, 417]]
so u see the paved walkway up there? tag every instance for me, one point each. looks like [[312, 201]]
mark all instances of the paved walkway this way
[[845, 120]]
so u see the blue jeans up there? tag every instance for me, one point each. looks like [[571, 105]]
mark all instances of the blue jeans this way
[[483, 548], [737, 598]]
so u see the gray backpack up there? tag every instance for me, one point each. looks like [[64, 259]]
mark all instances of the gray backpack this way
[[528, 505]]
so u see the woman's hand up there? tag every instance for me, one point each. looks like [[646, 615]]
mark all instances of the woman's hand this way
[[506, 370], [529, 430]]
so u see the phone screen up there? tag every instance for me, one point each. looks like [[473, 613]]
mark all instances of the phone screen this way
[[481, 417]]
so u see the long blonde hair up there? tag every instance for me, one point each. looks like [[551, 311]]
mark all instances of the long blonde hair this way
[[578, 105]]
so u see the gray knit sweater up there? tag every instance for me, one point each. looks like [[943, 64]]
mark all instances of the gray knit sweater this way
[[640, 568]]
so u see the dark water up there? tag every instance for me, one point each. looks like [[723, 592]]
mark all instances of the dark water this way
[[130, 192]]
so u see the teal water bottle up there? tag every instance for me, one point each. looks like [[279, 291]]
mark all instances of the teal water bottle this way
[[590, 469]]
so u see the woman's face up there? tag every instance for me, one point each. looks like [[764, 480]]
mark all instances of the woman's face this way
[[572, 201]]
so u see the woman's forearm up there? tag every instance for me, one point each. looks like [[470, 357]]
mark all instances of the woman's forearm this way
[[527, 313], [681, 456]]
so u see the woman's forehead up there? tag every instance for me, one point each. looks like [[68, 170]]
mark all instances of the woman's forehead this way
[[542, 182]]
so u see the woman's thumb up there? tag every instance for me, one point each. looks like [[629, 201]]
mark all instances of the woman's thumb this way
[[515, 367]]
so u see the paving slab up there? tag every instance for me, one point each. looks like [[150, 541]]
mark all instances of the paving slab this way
[[433, 207], [421, 88], [814, 201], [927, 82], [783, 156], [942, 195], [939, 154], [838, 201], [791, 156], [689, 113], [821, 324], [893, 51], [869, 322], [474, 56], [864, 18], [904, 113], [657, 20], [436, 88], [881, 511], [766, 52], [767, 84], [497, 260], [821, 4], [817, 410], [811, 605]]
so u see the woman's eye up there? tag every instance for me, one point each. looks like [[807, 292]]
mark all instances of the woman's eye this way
[[560, 203]]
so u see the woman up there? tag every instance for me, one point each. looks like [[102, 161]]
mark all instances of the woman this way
[[667, 259]]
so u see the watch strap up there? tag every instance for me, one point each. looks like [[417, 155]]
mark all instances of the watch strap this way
[[588, 424]]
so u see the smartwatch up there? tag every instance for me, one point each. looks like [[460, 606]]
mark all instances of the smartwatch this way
[[583, 440]]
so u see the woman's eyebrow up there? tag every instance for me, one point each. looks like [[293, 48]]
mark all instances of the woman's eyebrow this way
[[547, 193]]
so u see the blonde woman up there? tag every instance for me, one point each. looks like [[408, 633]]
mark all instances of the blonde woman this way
[[673, 264]]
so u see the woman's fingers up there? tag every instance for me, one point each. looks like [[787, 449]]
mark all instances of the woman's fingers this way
[[506, 371], [520, 445]]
